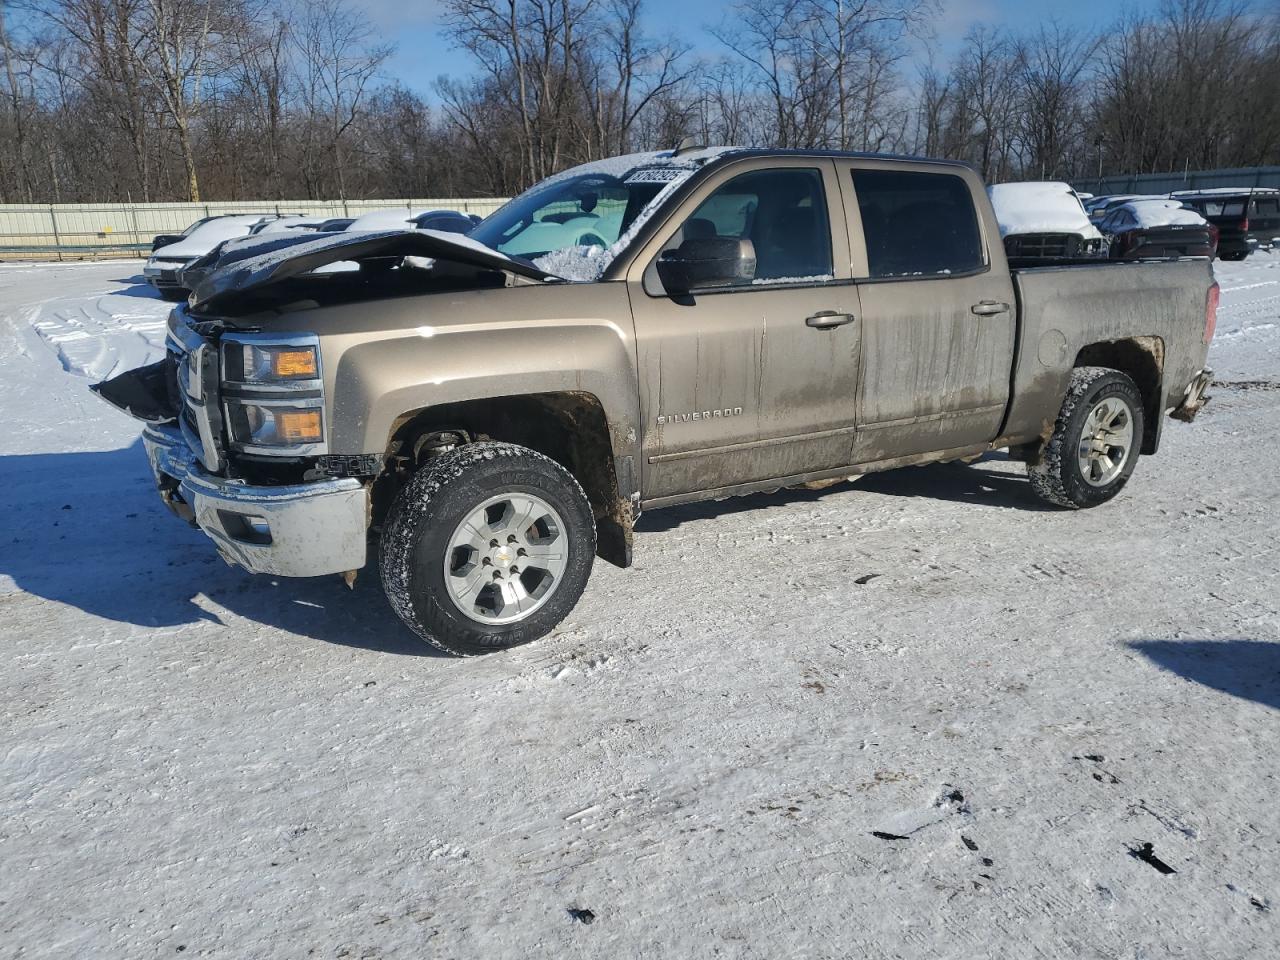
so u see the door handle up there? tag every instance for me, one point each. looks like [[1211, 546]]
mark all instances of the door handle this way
[[826, 319], [989, 308]]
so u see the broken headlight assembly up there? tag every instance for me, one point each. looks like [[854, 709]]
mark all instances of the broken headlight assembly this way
[[273, 393]]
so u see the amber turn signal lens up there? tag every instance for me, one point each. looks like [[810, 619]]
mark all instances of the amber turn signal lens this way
[[293, 363], [298, 426]]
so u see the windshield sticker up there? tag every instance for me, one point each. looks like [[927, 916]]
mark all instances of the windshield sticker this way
[[654, 175]]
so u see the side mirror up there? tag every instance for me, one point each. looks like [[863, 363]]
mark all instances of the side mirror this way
[[707, 262]]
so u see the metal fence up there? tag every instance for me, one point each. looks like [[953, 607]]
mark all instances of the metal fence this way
[[75, 231], [1187, 180]]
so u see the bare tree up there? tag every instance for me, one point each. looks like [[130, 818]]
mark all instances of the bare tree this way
[[339, 59], [1054, 62]]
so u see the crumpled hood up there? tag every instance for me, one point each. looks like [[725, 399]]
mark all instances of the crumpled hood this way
[[292, 256]]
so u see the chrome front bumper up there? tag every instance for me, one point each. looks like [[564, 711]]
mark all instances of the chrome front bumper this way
[[302, 530]]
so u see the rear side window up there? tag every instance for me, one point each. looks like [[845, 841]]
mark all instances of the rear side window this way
[[1267, 208], [917, 224], [1224, 208]]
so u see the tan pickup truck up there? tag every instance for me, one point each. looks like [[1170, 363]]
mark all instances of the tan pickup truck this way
[[492, 411]]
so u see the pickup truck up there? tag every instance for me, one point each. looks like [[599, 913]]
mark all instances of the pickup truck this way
[[490, 412]]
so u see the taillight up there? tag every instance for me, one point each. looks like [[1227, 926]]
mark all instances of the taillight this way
[[1244, 224], [1211, 312]]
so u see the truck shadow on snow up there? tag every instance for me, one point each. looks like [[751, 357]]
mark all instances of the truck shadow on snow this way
[[87, 530], [955, 482], [1249, 669]]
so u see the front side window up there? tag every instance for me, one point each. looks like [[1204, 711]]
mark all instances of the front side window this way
[[782, 213], [917, 224]]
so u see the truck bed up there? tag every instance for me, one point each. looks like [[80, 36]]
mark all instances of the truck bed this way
[[1154, 306]]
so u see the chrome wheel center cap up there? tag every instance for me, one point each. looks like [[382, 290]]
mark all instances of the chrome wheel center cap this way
[[503, 557]]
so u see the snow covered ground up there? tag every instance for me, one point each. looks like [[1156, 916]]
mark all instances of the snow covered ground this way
[[918, 716]]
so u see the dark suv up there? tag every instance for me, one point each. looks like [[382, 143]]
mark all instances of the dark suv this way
[[1247, 218]]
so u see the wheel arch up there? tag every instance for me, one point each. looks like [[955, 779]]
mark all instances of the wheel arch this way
[[1142, 360], [570, 427]]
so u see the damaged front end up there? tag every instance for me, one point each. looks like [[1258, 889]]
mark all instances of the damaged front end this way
[[276, 521], [236, 415]]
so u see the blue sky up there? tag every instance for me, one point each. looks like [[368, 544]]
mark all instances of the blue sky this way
[[423, 54]]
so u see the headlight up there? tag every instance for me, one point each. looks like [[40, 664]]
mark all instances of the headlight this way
[[273, 391], [276, 423], [267, 363]]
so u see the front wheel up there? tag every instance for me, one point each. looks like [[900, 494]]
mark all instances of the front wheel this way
[[487, 547], [1095, 442]]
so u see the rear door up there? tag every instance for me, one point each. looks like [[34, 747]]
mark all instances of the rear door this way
[[937, 302], [756, 379]]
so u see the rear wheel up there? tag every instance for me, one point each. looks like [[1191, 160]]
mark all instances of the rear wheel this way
[[487, 547], [1094, 446], [1237, 255]]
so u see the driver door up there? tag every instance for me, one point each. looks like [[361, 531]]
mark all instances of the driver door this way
[[755, 377]]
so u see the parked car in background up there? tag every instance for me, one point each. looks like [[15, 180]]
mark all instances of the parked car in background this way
[[446, 221], [1246, 218], [294, 222], [1147, 229], [398, 218], [163, 271], [335, 225], [166, 239], [1044, 221], [394, 218], [264, 236], [1099, 210]]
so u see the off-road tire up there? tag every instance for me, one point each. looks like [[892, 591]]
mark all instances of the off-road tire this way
[[1056, 475], [415, 543]]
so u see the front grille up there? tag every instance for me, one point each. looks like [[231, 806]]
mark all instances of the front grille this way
[[168, 276], [1042, 245], [196, 392]]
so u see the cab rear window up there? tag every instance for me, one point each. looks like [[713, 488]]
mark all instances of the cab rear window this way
[[917, 224]]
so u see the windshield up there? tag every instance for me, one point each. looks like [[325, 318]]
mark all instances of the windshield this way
[[585, 214]]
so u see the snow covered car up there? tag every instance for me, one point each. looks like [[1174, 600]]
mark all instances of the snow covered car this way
[[288, 221], [1099, 207], [1247, 218], [492, 411], [1146, 229], [1044, 221], [165, 239], [164, 269], [259, 239], [396, 218]]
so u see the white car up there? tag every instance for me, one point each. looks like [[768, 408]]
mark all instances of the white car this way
[[445, 221], [287, 223], [1044, 221], [164, 270]]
